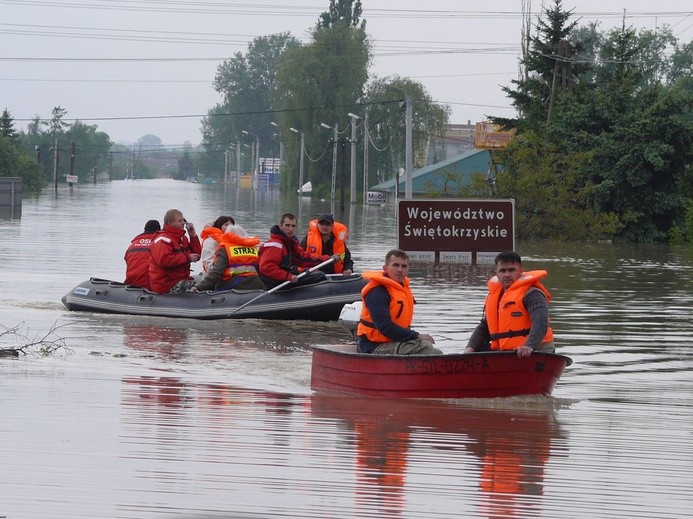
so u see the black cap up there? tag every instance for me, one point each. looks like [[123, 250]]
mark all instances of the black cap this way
[[326, 218], [152, 226]]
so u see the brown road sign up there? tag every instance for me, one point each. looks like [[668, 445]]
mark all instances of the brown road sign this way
[[466, 227]]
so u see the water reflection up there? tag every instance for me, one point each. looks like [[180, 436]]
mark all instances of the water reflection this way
[[511, 448]]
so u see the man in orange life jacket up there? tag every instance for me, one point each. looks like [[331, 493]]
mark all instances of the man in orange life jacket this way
[[325, 236], [138, 255], [387, 312], [516, 312]]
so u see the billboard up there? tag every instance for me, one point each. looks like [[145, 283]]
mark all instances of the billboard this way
[[456, 231], [489, 136]]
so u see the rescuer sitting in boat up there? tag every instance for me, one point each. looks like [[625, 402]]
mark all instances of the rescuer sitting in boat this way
[[384, 327], [325, 236], [282, 257], [234, 263], [210, 240], [139, 254], [516, 312], [172, 253]]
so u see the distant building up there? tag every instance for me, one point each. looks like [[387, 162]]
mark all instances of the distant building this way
[[458, 139], [436, 177]]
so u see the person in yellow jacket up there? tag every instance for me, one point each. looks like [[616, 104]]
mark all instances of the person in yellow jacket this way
[[516, 312], [234, 263], [325, 236], [384, 326]]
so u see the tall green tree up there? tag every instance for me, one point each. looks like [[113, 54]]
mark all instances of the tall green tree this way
[[7, 128], [14, 162], [384, 101], [322, 82], [186, 166], [640, 140], [92, 147], [248, 86], [549, 69], [57, 125], [615, 153], [343, 13]]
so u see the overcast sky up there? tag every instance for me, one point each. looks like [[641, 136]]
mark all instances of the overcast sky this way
[[136, 67]]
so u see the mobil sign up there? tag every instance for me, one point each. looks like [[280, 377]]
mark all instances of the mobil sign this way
[[456, 231]]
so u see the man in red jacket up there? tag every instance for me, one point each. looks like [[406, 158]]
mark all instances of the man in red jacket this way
[[172, 253], [138, 255], [282, 258]]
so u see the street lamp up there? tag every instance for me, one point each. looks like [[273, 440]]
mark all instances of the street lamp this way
[[352, 185], [281, 148], [256, 165], [335, 138], [300, 167]]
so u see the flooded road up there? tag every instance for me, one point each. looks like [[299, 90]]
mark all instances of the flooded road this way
[[164, 418]]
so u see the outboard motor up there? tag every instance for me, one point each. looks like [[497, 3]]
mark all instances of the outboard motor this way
[[349, 317]]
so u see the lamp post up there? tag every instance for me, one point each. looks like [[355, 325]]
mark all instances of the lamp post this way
[[281, 148], [300, 167], [335, 138], [352, 185], [365, 158], [256, 164]]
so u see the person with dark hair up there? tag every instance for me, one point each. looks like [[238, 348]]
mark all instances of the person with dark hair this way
[[325, 236], [384, 327], [516, 312], [172, 253], [234, 263], [210, 240], [138, 255], [282, 258]]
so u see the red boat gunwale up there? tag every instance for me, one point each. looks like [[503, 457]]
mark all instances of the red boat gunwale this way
[[339, 368]]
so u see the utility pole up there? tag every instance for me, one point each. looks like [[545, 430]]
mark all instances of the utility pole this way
[[341, 180], [300, 167], [408, 106], [55, 163], [238, 161], [96, 163], [226, 166], [352, 185], [365, 158], [560, 69], [73, 148], [335, 140]]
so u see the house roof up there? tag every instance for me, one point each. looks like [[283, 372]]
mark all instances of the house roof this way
[[436, 177]]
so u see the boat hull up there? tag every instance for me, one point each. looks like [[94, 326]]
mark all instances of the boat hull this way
[[339, 368], [318, 302]]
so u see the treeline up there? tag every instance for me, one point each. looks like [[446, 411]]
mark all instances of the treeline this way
[[83, 151]]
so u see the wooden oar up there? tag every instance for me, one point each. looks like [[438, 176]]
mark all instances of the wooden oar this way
[[305, 272]]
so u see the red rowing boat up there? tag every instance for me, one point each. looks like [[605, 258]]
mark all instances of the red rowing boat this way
[[340, 368]]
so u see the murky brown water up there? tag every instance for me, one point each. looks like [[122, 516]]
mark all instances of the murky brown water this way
[[163, 418]]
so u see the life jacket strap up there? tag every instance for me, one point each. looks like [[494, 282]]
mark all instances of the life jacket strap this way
[[511, 333]]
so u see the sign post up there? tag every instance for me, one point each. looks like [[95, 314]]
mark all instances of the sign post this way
[[456, 231]]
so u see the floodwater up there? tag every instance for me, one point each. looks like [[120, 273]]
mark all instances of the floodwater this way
[[176, 418]]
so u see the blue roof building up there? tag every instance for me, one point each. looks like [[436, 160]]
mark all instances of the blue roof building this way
[[449, 173]]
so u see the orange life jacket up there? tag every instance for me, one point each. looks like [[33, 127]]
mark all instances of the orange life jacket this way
[[507, 318], [215, 234], [242, 254], [401, 305], [314, 241]]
